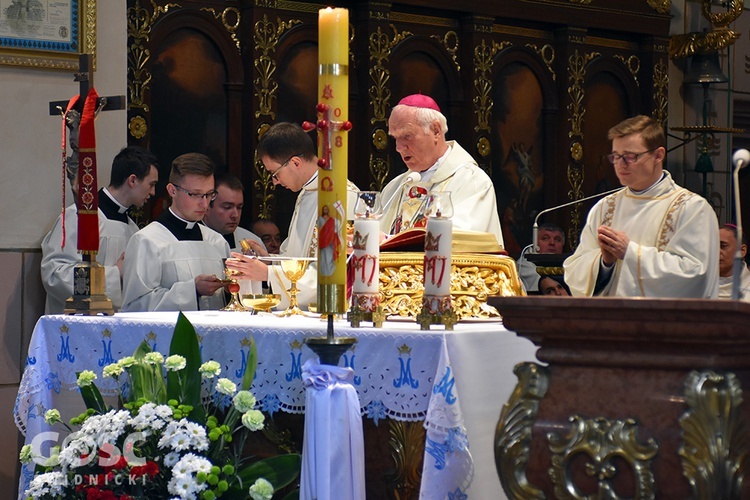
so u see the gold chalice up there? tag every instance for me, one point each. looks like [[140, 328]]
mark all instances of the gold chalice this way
[[263, 302], [234, 289], [294, 268]]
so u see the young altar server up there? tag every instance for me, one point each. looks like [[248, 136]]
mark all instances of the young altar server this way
[[223, 216], [175, 263], [651, 239], [133, 181]]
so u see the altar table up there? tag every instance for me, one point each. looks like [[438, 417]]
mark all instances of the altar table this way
[[455, 381]]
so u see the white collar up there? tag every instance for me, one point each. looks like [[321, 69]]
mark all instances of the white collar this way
[[427, 174], [663, 176], [189, 224], [120, 207]]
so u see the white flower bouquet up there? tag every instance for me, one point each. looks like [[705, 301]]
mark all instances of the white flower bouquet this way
[[167, 441]]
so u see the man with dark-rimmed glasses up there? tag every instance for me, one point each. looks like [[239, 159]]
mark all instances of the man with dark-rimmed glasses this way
[[651, 239], [288, 154], [174, 263]]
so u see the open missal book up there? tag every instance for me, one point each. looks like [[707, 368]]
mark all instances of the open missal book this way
[[412, 240]]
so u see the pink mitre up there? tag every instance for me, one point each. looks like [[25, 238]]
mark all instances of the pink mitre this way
[[420, 101]]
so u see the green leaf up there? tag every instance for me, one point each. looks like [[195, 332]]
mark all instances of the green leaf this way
[[185, 343], [93, 398], [294, 495], [279, 471], [147, 380], [252, 363]]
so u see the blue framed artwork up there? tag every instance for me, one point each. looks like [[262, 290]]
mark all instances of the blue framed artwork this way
[[46, 33]]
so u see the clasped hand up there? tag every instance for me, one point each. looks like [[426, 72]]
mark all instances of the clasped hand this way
[[613, 244]]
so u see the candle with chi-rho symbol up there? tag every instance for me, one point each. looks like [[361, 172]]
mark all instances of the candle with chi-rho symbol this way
[[366, 245], [438, 244]]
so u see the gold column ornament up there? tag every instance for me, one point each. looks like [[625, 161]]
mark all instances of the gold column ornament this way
[[607, 445], [715, 445], [513, 433]]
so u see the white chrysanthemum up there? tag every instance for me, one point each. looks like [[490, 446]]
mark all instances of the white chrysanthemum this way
[[47, 484], [253, 420], [244, 401], [105, 428], [209, 369], [175, 363], [113, 370], [185, 486], [183, 482], [171, 458], [164, 412], [70, 456], [151, 418], [153, 358], [261, 490], [226, 386], [184, 435]]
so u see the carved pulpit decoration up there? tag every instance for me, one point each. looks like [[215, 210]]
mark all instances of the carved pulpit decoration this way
[[78, 114]]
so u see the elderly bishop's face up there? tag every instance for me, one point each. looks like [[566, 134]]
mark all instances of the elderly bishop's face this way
[[419, 148]]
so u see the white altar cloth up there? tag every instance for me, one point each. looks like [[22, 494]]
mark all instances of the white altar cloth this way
[[400, 372]]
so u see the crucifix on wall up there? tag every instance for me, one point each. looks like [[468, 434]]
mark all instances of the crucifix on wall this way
[[78, 116]]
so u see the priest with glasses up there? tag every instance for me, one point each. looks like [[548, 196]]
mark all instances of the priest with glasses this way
[[651, 239]]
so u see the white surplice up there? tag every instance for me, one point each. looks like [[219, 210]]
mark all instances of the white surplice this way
[[303, 242], [58, 262], [247, 286], [725, 285], [159, 271], [673, 250]]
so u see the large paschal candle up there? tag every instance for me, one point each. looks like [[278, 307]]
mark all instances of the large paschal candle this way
[[333, 96]]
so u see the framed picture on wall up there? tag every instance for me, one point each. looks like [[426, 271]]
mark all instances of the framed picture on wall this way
[[46, 33]]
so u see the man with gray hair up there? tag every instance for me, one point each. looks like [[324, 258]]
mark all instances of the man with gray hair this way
[[434, 164], [550, 239]]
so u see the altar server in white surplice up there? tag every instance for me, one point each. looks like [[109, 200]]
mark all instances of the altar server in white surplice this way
[[132, 182], [174, 263], [418, 129], [651, 239], [288, 154], [223, 216]]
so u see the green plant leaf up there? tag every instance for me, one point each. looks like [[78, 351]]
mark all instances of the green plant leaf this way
[[147, 380], [185, 343], [93, 398], [294, 495], [279, 471], [252, 363]]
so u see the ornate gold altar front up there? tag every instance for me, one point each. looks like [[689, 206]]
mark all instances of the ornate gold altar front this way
[[474, 278]]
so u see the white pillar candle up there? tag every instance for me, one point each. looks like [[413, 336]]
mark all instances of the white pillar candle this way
[[437, 256], [366, 255]]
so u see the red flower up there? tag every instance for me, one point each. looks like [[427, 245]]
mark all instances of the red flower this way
[[150, 469]]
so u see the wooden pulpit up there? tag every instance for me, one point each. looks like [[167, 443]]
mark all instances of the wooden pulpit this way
[[640, 398]]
